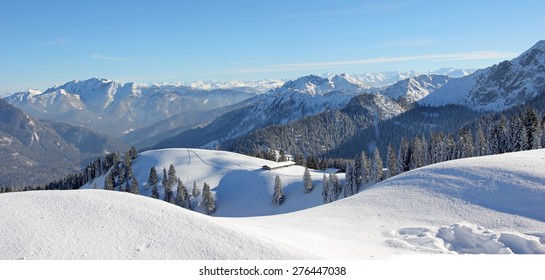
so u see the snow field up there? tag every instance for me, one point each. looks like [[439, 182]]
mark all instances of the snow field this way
[[490, 204]]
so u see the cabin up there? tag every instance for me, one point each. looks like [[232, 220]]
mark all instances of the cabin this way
[[332, 171], [277, 165]]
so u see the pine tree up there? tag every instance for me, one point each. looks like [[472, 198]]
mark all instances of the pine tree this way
[[195, 191], [404, 155], [152, 179], [134, 186], [132, 153], [207, 200], [480, 142], [182, 196], [167, 184], [335, 187], [392, 161], [377, 166], [307, 181], [109, 182], [349, 186], [172, 178], [533, 129], [282, 157], [278, 195], [325, 189], [299, 159], [155, 191]]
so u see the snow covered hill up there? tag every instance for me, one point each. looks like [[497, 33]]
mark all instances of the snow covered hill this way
[[242, 187], [498, 87], [491, 204]]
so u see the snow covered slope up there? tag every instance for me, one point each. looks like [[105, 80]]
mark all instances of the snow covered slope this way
[[492, 204], [499, 87], [241, 186]]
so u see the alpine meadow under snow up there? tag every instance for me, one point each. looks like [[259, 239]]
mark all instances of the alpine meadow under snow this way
[[491, 204]]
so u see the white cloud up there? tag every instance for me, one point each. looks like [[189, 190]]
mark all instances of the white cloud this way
[[109, 58]]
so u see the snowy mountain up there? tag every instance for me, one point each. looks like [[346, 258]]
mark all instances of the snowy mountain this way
[[306, 96], [259, 86], [36, 152], [383, 79], [116, 108], [321, 133], [491, 205], [413, 89], [498, 87]]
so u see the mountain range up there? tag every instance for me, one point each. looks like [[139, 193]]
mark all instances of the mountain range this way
[[318, 115]]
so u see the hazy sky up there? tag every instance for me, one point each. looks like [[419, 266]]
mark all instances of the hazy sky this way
[[43, 43]]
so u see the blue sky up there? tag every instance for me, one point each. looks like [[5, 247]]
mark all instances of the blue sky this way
[[43, 43]]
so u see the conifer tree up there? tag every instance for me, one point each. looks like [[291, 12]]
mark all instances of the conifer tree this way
[[155, 191], [207, 200], [182, 196], [349, 186], [392, 161], [132, 153], [377, 166], [195, 191], [278, 195], [152, 179], [533, 129], [307, 181], [335, 187], [404, 155], [109, 182], [134, 186], [172, 178], [325, 189], [480, 141], [282, 156]]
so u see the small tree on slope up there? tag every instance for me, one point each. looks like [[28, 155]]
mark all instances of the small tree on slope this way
[[325, 189], [307, 181], [278, 195], [182, 197], [207, 200]]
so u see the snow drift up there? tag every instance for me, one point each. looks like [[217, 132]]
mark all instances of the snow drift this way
[[491, 204]]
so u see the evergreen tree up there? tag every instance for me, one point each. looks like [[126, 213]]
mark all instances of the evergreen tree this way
[[167, 184], [134, 186], [533, 129], [392, 161], [299, 159], [325, 189], [155, 191], [132, 153], [282, 157], [377, 166], [152, 179], [172, 178], [307, 181], [207, 200], [182, 196], [404, 155], [335, 187], [417, 154], [350, 181], [195, 191], [109, 182], [518, 140], [278, 195], [480, 141]]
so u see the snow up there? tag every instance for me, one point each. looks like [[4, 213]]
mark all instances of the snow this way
[[491, 204]]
